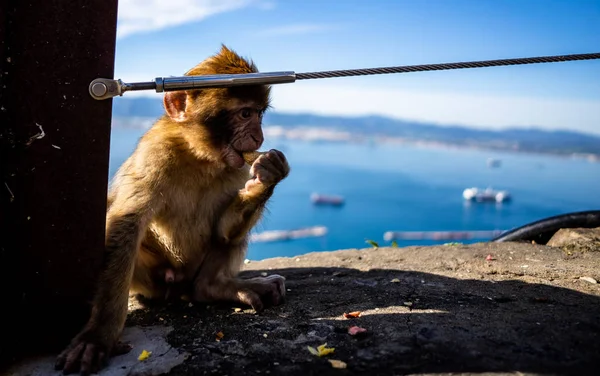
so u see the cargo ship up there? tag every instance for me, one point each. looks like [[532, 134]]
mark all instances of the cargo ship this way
[[319, 199]]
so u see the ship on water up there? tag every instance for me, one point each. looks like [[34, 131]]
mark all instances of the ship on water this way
[[320, 199], [486, 195], [280, 235], [494, 163]]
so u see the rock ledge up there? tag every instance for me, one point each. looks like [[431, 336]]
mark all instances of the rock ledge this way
[[501, 308]]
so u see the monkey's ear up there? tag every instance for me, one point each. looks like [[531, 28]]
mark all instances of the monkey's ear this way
[[175, 104]]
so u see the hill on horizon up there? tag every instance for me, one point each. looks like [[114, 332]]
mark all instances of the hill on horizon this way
[[516, 138]]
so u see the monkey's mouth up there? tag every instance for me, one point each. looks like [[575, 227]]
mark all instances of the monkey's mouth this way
[[234, 157]]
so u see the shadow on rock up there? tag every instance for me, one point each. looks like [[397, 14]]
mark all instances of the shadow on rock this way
[[416, 323]]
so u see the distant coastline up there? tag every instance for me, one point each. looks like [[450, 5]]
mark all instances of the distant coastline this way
[[316, 134], [319, 134], [141, 113]]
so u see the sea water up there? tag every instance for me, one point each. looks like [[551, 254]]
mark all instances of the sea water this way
[[403, 187]]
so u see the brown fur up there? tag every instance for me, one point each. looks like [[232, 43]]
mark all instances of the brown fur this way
[[182, 205]]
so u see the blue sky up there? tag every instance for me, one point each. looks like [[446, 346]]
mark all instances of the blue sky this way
[[164, 38]]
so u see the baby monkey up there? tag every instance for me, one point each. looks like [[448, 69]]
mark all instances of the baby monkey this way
[[181, 207]]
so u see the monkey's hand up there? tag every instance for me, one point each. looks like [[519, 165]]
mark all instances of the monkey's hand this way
[[90, 350], [245, 210], [267, 170]]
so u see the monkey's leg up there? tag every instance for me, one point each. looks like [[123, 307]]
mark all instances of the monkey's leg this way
[[90, 349], [217, 280]]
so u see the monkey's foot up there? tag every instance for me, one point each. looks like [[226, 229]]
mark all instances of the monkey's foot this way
[[88, 356], [261, 292]]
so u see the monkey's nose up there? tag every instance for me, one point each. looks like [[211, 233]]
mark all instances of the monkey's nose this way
[[258, 138]]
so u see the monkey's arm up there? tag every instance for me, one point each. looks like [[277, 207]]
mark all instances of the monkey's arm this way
[[126, 221], [242, 214], [247, 207], [217, 280]]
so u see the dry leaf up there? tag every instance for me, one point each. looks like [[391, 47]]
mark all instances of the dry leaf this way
[[352, 315], [321, 350], [337, 363], [220, 335], [144, 355], [324, 350], [312, 350], [354, 330]]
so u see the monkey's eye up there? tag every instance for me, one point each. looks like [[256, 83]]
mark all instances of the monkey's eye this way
[[246, 113]]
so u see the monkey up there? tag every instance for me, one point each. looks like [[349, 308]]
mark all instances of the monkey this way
[[180, 209]]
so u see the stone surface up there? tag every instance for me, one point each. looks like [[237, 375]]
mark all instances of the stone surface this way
[[427, 310], [577, 239], [502, 309], [163, 357]]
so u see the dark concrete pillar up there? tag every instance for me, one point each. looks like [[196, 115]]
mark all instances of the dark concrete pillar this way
[[54, 147]]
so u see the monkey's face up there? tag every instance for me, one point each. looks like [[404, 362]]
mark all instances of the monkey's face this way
[[226, 121], [231, 120], [240, 131]]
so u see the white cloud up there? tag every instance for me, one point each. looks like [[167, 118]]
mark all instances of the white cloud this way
[[482, 111], [147, 15], [266, 5], [295, 29]]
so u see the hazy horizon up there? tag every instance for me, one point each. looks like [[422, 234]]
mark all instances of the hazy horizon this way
[[594, 132]]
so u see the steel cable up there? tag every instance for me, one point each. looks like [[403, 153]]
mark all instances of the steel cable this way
[[445, 66]]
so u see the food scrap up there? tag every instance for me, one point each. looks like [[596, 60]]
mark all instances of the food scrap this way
[[337, 363], [144, 355], [219, 336], [321, 350], [354, 330], [352, 315], [395, 280]]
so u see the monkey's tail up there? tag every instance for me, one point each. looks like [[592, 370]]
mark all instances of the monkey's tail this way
[[541, 231]]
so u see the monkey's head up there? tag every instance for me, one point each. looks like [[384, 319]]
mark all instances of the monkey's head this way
[[226, 120]]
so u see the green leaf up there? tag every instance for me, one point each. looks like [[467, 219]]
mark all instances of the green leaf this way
[[372, 242]]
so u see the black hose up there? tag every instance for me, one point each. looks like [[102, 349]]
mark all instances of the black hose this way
[[541, 231]]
